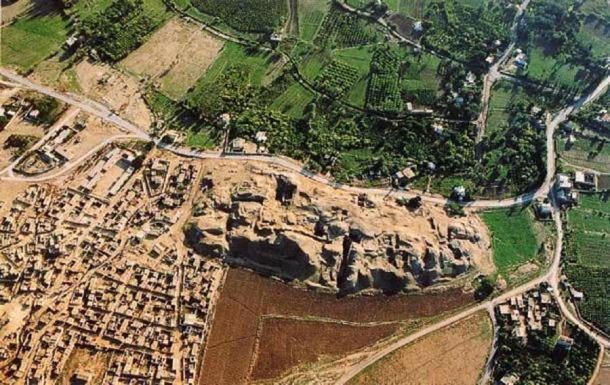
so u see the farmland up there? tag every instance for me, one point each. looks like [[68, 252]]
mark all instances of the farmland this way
[[513, 238], [588, 266], [445, 23], [182, 53], [247, 299], [563, 44], [278, 353], [249, 15], [586, 152], [453, 355], [341, 29], [114, 35], [311, 14], [33, 37]]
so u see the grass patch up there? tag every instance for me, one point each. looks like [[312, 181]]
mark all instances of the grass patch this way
[[512, 236], [233, 53], [246, 15], [28, 41], [200, 139], [552, 69], [588, 267], [293, 100], [311, 14]]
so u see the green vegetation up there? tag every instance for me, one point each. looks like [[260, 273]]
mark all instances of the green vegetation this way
[[336, 78], [122, 26], [467, 33], [565, 48], [588, 267], [247, 15], [19, 144], [383, 93], [233, 54], [513, 159], [539, 361], [293, 100], [342, 29], [311, 14], [31, 39], [513, 239], [48, 107]]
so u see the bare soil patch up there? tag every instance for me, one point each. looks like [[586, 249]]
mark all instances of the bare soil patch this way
[[11, 11], [119, 91], [84, 361], [246, 297], [181, 52], [17, 126], [455, 355], [603, 376], [286, 342]]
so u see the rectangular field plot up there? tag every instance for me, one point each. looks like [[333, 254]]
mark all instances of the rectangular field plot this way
[[586, 152], [311, 13], [590, 221], [293, 100], [31, 39], [513, 239], [235, 54], [588, 252], [553, 69], [181, 51], [436, 358]]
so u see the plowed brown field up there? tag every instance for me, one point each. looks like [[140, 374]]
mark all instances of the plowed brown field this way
[[254, 309]]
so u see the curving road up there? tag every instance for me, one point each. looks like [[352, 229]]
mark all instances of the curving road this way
[[552, 276]]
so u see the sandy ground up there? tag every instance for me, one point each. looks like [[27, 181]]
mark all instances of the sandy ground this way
[[94, 133], [603, 376], [10, 12], [16, 126], [452, 356], [181, 52], [16, 312], [119, 91]]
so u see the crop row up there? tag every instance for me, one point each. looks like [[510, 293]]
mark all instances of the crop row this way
[[342, 29], [383, 91], [336, 78]]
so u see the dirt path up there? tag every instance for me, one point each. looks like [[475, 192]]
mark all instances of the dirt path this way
[[494, 75]]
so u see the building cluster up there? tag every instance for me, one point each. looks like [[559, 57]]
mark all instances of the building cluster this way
[[52, 152], [533, 311], [99, 272]]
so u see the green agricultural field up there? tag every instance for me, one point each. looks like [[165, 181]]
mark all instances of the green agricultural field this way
[[503, 96], [200, 139], [293, 100], [359, 58], [120, 27], [341, 29], [462, 31], [552, 69], [413, 8], [586, 152], [32, 39], [588, 267], [85, 9], [232, 54], [311, 13], [247, 15], [513, 238]]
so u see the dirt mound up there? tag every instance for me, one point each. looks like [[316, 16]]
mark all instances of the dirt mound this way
[[293, 229]]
